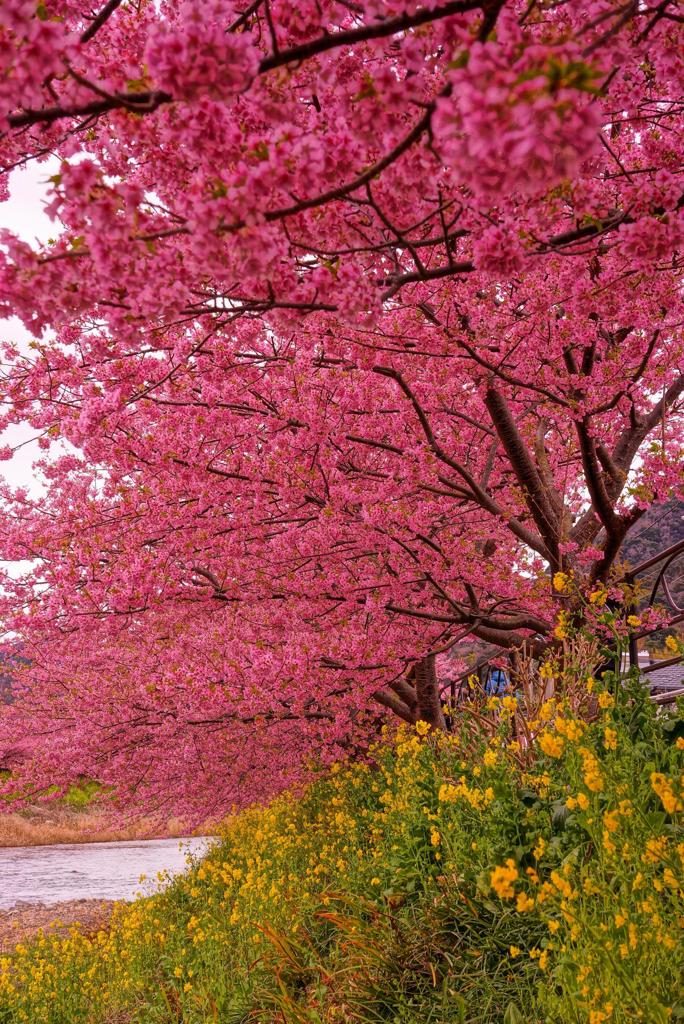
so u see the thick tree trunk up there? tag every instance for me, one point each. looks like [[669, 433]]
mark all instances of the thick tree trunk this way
[[427, 693]]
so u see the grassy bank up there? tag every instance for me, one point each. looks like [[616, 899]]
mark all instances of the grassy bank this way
[[461, 879]]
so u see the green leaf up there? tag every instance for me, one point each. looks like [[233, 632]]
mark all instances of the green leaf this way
[[459, 62], [513, 1015], [656, 1012]]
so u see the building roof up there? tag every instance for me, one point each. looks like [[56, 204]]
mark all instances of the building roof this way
[[669, 678]]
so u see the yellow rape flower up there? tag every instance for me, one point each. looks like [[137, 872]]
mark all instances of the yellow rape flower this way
[[610, 739], [610, 821], [502, 879], [662, 787], [593, 779], [551, 745], [561, 630], [569, 727], [560, 581], [524, 903], [670, 879]]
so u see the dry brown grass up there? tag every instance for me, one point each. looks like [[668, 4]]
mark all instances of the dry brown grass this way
[[59, 824]]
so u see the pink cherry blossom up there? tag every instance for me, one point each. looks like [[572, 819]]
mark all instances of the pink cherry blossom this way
[[197, 56], [498, 252], [358, 323]]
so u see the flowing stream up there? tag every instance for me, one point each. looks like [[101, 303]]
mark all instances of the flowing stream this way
[[105, 871]]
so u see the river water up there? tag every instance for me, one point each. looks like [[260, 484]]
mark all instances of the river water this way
[[105, 871]]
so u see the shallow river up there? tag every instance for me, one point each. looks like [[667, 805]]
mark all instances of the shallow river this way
[[106, 871]]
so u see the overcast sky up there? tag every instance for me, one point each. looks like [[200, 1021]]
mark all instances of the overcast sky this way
[[24, 214]]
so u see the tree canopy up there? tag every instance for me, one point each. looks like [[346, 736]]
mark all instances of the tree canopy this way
[[361, 321]]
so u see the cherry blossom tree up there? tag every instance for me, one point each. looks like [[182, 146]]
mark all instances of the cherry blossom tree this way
[[361, 321]]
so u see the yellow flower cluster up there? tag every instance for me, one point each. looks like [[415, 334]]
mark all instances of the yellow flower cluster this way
[[561, 581], [477, 798], [552, 746], [581, 801], [562, 629], [593, 779], [664, 789], [604, 891], [502, 879], [571, 728], [610, 738]]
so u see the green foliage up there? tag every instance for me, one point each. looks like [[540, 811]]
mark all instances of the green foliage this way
[[82, 795], [468, 879]]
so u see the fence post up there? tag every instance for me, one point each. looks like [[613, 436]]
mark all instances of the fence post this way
[[633, 649]]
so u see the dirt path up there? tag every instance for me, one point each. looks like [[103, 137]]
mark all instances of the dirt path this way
[[24, 921]]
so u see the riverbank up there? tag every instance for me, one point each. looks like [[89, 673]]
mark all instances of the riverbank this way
[[23, 923], [57, 823]]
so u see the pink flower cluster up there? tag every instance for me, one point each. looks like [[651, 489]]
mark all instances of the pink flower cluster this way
[[652, 239], [336, 380], [196, 56], [498, 252], [31, 51], [352, 288], [511, 126]]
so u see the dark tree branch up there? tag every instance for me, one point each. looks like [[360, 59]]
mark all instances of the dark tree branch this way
[[99, 20], [531, 483]]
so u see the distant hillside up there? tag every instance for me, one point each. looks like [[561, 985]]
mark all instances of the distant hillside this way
[[660, 528]]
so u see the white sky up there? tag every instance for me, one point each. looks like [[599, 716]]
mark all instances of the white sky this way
[[23, 213]]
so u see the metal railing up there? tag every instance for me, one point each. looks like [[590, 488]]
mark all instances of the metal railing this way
[[660, 592], [456, 690]]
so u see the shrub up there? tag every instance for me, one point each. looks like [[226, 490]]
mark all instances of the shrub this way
[[478, 877]]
